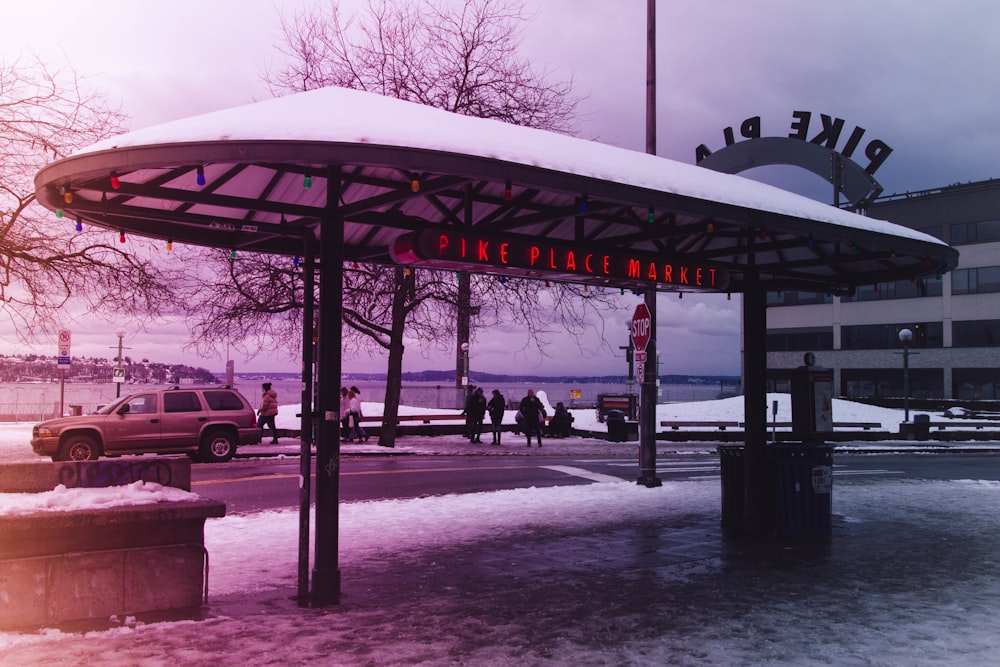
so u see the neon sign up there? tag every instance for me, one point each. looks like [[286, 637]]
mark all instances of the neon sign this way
[[517, 256]]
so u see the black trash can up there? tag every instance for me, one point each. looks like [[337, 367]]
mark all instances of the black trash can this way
[[617, 428], [733, 469], [802, 485]]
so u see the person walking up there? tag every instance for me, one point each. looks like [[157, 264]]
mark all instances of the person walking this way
[[345, 415], [268, 411], [358, 431], [496, 408], [477, 412], [533, 411]]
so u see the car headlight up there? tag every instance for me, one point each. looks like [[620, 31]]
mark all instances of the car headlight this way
[[43, 432]]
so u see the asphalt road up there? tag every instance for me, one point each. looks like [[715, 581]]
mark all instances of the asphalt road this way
[[250, 485]]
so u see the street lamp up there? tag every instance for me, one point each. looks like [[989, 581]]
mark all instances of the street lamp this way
[[905, 336]]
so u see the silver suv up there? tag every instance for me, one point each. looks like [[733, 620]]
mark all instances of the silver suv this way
[[207, 424]]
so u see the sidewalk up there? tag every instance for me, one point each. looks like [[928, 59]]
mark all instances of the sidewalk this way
[[600, 574]]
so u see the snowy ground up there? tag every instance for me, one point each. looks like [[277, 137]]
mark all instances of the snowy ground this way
[[601, 574]]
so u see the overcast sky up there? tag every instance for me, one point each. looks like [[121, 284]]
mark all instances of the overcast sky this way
[[914, 75]]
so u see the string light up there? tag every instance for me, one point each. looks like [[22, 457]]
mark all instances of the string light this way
[[295, 261], [170, 245], [586, 287], [68, 197], [710, 228], [652, 216], [892, 255], [415, 185], [854, 249], [507, 192], [59, 213], [307, 182], [583, 205], [810, 242], [407, 270], [232, 254], [729, 296], [200, 175], [115, 181], [79, 224], [503, 280], [121, 236], [763, 235]]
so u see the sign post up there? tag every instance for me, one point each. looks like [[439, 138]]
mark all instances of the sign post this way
[[65, 338], [642, 336]]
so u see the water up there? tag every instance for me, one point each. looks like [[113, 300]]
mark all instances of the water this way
[[38, 401]]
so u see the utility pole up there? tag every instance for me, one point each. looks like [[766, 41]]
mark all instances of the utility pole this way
[[647, 395]]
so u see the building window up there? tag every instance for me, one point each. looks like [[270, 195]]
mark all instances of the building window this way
[[886, 336], [982, 231], [898, 289], [796, 298], [976, 383], [975, 333], [799, 340], [888, 382], [976, 281]]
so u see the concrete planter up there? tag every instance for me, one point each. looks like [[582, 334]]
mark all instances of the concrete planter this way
[[66, 566]]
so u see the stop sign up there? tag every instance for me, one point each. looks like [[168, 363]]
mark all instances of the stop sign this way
[[641, 325]]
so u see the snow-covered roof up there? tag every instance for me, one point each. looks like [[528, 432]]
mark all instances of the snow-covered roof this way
[[398, 166]]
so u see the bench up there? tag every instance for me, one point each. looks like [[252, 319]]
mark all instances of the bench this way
[[723, 425], [979, 426]]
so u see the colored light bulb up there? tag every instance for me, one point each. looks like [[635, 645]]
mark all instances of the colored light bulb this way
[[68, 197], [415, 185], [115, 181], [295, 261], [307, 182], [121, 237], [59, 213], [170, 245], [79, 225], [200, 175]]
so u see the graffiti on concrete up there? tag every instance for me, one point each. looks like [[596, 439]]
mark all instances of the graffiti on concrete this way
[[94, 474]]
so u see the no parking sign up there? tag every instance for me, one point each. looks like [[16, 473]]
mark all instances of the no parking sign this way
[[65, 337]]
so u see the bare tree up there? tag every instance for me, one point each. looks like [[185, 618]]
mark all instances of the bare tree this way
[[461, 56], [45, 262]]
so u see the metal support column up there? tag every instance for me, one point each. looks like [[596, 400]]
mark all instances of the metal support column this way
[[306, 436], [647, 405], [756, 519], [326, 571]]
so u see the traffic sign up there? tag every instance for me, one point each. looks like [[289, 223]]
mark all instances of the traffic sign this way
[[65, 337], [118, 374], [641, 356], [641, 325], [640, 373]]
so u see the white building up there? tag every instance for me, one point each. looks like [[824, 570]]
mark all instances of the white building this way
[[955, 318]]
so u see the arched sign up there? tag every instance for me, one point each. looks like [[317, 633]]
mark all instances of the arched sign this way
[[818, 154]]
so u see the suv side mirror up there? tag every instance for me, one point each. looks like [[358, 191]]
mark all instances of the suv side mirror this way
[[123, 409]]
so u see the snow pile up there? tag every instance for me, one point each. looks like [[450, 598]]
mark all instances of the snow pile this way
[[61, 499]]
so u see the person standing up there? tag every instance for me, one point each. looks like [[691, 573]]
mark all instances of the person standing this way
[[268, 411], [533, 411], [496, 408], [477, 412], [358, 430], [470, 394]]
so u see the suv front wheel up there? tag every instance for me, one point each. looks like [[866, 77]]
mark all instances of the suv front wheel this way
[[217, 446], [78, 448]]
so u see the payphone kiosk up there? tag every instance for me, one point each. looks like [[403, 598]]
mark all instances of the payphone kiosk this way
[[812, 401]]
